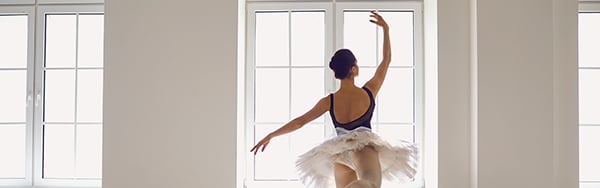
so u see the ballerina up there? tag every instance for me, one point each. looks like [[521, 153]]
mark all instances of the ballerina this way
[[356, 157]]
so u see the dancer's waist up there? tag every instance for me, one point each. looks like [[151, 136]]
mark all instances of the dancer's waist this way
[[341, 131]]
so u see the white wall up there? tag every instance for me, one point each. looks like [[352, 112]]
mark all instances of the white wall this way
[[515, 86], [453, 94], [518, 125], [170, 93]]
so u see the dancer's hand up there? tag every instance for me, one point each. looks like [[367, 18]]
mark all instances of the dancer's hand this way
[[264, 142], [378, 20]]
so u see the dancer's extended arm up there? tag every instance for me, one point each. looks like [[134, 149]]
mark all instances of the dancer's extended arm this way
[[374, 84], [321, 107]]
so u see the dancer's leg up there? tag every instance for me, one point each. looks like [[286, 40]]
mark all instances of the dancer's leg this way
[[368, 169], [343, 175]]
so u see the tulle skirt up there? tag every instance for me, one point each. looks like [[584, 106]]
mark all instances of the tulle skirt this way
[[315, 167]]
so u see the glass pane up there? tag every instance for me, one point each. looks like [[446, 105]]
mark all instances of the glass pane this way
[[12, 147], [60, 40], [13, 48], [589, 165], [307, 89], [395, 133], [395, 99], [59, 96], [364, 75], [13, 91], [589, 96], [275, 162], [306, 138], [272, 95], [308, 38], [272, 39], [589, 40], [59, 152], [91, 41], [89, 151], [360, 36], [401, 37], [89, 96]]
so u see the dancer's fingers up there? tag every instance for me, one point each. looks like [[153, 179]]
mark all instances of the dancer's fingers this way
[[374, 14], [256, 147], [264, 146]]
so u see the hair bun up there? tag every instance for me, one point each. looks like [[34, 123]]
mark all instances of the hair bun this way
[[341, 63]]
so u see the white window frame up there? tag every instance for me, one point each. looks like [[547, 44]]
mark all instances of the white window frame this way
[[589, 7], [332, 9], [38, 132], [17, 2], [53, 2], [30, 12]]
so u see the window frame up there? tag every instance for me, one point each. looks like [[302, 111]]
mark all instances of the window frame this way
[[17, 2], [333, 40], [42, 11], [30, 12], [588, 7]]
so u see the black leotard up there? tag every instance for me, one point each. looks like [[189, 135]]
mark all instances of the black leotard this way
[[362, 121]]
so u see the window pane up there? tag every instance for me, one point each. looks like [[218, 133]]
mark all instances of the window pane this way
[[89, 151], [272, 39], [60, 40], [59, 96], [13, 48], [589, 165], [13, 102], [12, 147], [589, 96], [396, 97], [272, 95], [275, 162], [589, 40], [308, 38], [401, 38], [89, 96], [59, 152], [307, 89], [306, 138], [394, 133], [91, 41], [360, 36]]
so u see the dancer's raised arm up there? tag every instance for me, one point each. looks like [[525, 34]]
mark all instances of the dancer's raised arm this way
[[375, 83], [321, 107]]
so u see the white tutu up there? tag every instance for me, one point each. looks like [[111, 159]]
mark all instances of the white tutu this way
[[315, 167]]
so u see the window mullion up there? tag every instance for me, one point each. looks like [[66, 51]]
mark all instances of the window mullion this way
[[289, 137], [76, 94]]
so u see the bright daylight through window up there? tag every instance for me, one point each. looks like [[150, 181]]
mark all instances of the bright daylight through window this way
[[51, 72], [288, 49], [589, 97]]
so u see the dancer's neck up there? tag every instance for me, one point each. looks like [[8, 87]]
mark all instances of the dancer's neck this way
[[347, 83]]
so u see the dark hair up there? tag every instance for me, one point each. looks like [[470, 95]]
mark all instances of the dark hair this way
[[341, 63]]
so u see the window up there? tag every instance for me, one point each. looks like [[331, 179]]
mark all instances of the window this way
[[589, 92], [288, 50], [51, 129], [15, 79]]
